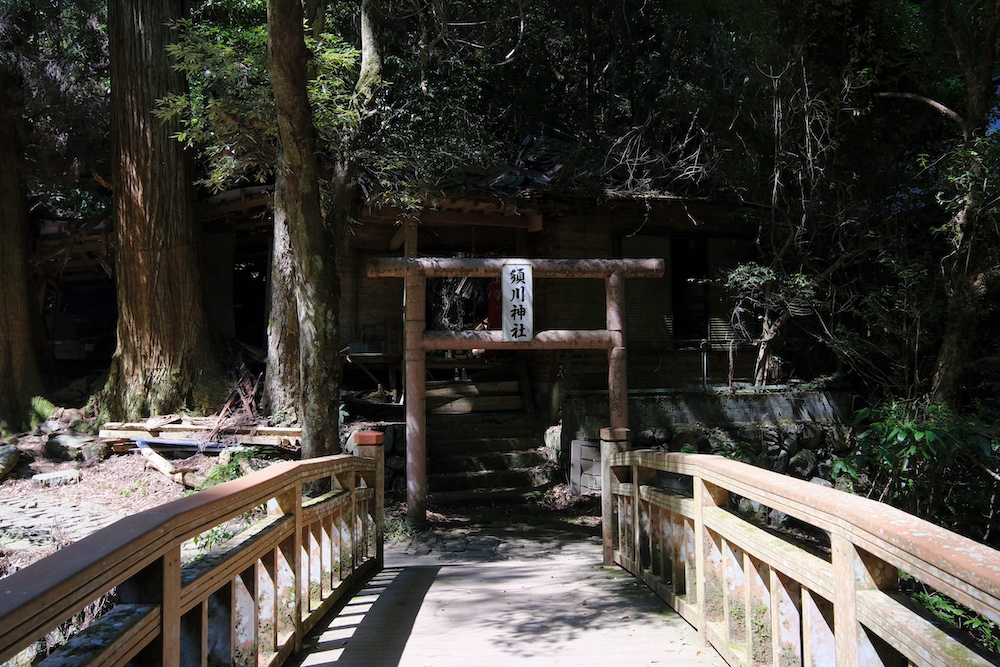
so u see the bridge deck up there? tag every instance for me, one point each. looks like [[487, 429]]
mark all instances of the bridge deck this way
[[510, 596]]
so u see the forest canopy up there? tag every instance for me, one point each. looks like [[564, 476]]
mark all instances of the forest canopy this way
[[857, 138]]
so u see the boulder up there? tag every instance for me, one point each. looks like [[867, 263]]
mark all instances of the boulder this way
[[691, 440], [844, 483], [65, 446], [76, 447], [9, 457], [812, 436], [791, 440], [835, 436], [57, 478], [803, 464], [776, 458], [650, 438]]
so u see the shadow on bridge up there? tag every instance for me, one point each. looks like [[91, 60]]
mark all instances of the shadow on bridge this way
[[373, 627], [486, 608]]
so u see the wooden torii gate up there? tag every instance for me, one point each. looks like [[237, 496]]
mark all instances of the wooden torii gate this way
[[418, 340]]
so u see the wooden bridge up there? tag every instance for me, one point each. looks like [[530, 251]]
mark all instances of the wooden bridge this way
[[753, 595]]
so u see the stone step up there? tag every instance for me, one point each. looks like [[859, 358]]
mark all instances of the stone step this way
[[483, 424], [469, 388], [473, 446], [467, 404], [485, 461], [524, 478], [499, 496]]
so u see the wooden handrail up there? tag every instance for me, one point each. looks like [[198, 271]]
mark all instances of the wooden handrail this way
[[249, 603], [762, 599]]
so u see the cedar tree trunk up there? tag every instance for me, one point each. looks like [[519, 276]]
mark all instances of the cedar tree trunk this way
[[281, 378], [316, 285], [167, 359], [19, 378]]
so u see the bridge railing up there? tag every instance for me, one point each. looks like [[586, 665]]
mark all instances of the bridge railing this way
[[249, 602], [761, 599]]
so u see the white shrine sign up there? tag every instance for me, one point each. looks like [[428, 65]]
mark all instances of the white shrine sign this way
[[517, 287]]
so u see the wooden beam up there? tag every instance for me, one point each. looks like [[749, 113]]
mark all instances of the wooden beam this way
[[438, 267], [530, 220]]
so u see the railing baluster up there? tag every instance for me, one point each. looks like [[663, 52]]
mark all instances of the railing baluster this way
[[819, 646], [220, 626], [245, 619], [266, 604], [786, 621], [326, 557], [759, 622], [286, 596], [656, 542]]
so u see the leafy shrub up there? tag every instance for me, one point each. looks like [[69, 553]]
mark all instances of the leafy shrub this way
[[931, 462]]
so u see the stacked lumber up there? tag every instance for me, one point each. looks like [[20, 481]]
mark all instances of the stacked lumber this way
[[181, 433]]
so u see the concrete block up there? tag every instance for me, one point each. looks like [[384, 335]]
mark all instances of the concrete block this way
[[57, 478]]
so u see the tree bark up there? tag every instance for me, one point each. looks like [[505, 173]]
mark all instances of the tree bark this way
[[316, 285], [19, 377], [281, 377], [975, 42], [167, 356]]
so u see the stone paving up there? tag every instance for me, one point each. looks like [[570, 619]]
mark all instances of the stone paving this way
[[27, 523]]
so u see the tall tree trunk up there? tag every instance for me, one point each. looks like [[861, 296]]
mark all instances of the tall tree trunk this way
[[317, 288], [281, 377], [19, 378], [167, 357], [770, 330], [975, 38]]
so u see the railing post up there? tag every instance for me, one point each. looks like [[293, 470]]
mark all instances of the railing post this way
[[289, 557], [705, 495], [613, 440], [370, 446], [855, 570], [160, 583]]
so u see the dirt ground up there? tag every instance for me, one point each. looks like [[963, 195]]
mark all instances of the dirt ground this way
[[121, 481], [119, 484]]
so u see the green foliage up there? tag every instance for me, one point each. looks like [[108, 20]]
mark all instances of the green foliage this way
[[228, 114], [41, 409], [213, 538], [931, 461], [978, 628], [764, 288], [232, 469]]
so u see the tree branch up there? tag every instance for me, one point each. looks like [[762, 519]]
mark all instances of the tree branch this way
[[370, 76], [945, 111]]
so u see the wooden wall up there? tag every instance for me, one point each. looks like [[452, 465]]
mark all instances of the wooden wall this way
[[576, 228]]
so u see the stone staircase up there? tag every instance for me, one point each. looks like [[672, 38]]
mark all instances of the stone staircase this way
[[483, 445]]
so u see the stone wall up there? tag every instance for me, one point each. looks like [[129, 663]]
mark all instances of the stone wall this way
[[793, 432]]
